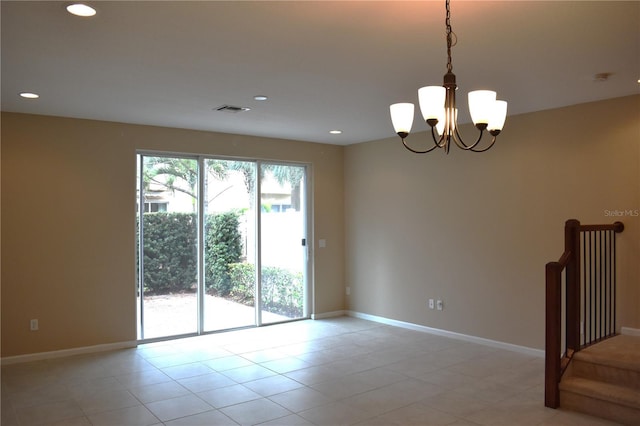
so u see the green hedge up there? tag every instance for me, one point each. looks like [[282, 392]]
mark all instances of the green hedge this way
[[170, 247], [223, 246], [282, 290], [170, 252], [170, 263]]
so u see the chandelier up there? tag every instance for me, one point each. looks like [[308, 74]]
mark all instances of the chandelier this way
[[438, 107]]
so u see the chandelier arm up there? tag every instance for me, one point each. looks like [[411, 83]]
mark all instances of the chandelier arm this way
[[439, 142], [493, 140], [458, 140], [415, 150]]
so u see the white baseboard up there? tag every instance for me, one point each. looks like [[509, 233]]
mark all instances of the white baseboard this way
[[416, 327], [630, 331], [382, 320], [67, 352], [324, 315]]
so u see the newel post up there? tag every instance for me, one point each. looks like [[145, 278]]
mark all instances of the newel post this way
[[553, 331], [572, 245]]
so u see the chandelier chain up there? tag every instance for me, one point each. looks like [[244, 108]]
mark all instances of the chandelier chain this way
[[449, 36]]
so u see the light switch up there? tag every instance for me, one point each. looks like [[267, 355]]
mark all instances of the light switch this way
[[322, 243]]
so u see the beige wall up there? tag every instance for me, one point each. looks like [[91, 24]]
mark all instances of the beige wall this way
[[68, 223], [477, 229], [472, 229]]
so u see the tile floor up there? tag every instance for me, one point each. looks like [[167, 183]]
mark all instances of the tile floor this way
[[338, 371]]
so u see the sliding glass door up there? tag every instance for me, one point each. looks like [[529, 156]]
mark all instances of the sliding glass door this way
[[229, 244], [283, 244], [221, 244], [168, 242]]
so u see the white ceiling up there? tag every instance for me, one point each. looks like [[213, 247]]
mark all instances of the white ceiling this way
[[323, 64]]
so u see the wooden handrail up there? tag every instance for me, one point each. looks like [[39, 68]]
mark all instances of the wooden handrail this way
[[616, 227], [556, 362], [563, 261]]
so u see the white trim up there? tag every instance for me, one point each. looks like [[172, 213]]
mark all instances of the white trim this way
[[328, 315], [39, 356], [630, 331], [416, 327]]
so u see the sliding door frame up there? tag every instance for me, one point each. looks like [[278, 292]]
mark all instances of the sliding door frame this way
[[308, 223], [307, 206]]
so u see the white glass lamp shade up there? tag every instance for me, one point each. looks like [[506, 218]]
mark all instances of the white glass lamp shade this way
[[498, 116], [80, 9], [481, 104], [402, 117], [432, 101]]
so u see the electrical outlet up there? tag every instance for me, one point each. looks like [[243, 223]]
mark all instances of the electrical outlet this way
[[348, 291], [33, 325], [432, 304], [439, 305]]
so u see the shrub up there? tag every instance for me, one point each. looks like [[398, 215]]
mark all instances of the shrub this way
[[243, 277], [170, 263], [282, 290], [170, 244], [223, 246], [170, 252]]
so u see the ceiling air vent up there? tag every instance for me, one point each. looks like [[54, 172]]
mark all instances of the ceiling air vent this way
[[232, 108]]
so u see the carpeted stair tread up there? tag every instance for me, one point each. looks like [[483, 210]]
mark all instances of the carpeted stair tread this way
[[603, 380], [603, 391], [621, 352]]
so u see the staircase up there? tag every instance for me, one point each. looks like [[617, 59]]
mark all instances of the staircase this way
[[603, 380], [581, 300]]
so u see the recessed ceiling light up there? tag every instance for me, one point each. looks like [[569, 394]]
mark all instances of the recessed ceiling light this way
[[260, 98], [80, 9], [231, 108], [29, 95], [335, 132]]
